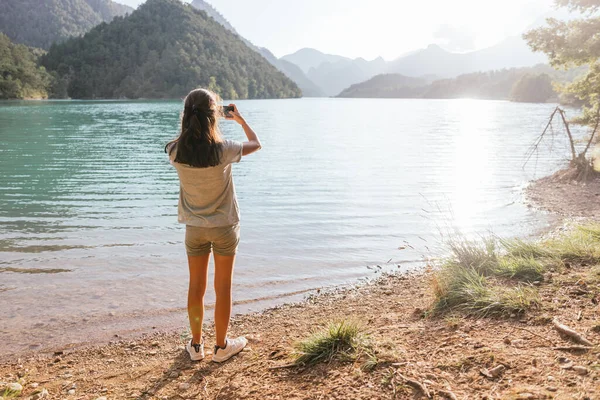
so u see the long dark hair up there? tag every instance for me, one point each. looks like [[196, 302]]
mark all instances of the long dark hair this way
[[200, 143]]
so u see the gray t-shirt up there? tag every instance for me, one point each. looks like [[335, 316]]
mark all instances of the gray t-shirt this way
[[207, 195]]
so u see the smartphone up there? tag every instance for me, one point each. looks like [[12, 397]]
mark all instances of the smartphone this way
[[227, 110]]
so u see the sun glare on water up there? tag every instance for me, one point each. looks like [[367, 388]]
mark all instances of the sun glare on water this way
[[471, 169]]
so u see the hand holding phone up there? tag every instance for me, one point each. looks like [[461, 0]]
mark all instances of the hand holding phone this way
[[231, 113], [227, 111]]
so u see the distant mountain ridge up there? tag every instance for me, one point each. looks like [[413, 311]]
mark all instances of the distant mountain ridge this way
[[512, 52], [162, 50], [335, 73], [321, 74], [40, 23], [308, 59]]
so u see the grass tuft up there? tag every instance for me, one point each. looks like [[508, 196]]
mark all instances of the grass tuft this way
[[520, 268], [342, 338], [479, 256], [486, 278], [9, 394], [468, 290], [522, 249]]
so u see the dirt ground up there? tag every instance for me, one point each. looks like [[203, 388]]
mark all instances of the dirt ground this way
[[449, 356], [566, 197], [416, 355]]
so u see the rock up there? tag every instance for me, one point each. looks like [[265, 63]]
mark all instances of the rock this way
[[42, 394], [155, 344], [184, 386], [550, 378], [152, 353], [14, 387], [71, 392], [568, 365], [34, 385], [580, 370], [494, 372], [174, 375], [551, 388], [253, 338], [101, 398]]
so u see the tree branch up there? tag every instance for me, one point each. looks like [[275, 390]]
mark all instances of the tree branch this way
[[571, 142], [593, 132]]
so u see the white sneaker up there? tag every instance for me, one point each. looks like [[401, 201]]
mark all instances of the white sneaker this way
[[196, 351], [232, 347]]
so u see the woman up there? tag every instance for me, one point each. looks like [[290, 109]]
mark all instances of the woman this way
[[208, 207]]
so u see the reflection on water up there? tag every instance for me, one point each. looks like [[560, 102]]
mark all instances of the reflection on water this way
[[340, 185]]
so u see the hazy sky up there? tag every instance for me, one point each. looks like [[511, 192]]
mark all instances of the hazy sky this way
[[371, 28]]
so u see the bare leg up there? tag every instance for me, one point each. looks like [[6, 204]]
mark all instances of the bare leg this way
[[198, 277], [223, 275]]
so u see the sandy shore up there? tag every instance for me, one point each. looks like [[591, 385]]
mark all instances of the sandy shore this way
[[449, 356], [566, 198]]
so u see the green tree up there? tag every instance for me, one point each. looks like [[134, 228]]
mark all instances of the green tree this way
[[532, 88], [20, 76], [571, 44], [575, 43]]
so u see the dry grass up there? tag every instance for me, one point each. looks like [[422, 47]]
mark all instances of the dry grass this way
[[339, 339], [493, 277]]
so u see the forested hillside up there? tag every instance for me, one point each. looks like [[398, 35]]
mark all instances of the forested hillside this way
[[387, 86], [518, 84], [162, 50], [20, 76], [40, 23]]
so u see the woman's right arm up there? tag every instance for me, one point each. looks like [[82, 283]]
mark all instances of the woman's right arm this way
[[253, 143]]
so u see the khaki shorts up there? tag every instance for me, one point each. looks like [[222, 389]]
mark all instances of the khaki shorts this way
[[223, 240]]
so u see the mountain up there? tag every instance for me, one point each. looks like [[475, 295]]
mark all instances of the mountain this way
[[292, 71], [162, 50], [332, 73], [39, 23], [519, 84], [311, 58], [216, 15], [309, 89], [20, 76], [387, 86], [334, 76], [513, 52]]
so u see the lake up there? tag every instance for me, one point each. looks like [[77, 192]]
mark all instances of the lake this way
[[342, 189]]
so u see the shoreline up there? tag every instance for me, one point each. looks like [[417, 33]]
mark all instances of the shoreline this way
[[447, 353]]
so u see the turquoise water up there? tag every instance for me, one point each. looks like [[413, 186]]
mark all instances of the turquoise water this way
[[341, 186]]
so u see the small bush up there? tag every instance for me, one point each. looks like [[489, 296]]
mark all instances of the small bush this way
[[338, 339]]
